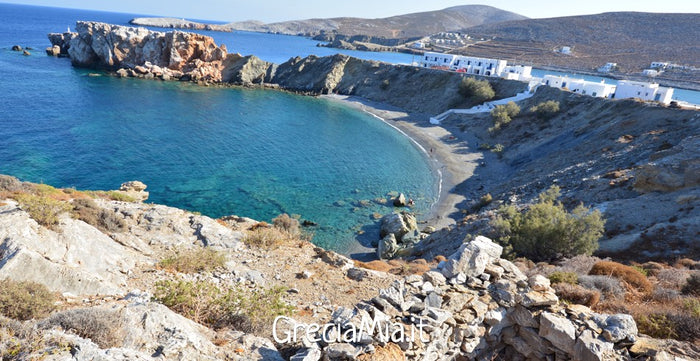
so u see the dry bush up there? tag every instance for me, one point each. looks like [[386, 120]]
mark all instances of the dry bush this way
[[112, 196], [692, 285], [105, 220], [20, 341], [580, 264], [101, 325], [194, 261], [25, 300], [287, 224], [10, 184], [268, 238], [577, 294], [608, 286], [377, 265], [43, 209], [665, 295], [625, 273], [672, 278], [398, 266], [687, 263]]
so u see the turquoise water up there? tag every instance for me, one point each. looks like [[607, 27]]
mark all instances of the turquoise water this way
[[218, 151]]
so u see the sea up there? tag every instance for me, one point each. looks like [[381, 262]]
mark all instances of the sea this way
[[217, 151]]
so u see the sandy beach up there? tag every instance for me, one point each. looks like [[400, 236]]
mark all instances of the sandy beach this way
[[451, 156]]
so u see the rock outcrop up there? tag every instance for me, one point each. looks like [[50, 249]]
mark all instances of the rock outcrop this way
[[177, 54], [672, 169], [474, 306], [399, 235]]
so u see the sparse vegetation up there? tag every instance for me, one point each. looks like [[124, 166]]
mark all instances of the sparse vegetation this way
[[384, 85], [285, 230], [546, 231], [692, 285], [503, 114], [546, 110], [210, 305], [25, 300], [628, 274], [101, 325], [477, 90], [43, 209], [288, 224], [112, 195], [577, 294], [498, 149], [194, 261], [103, 219], [563, 277]]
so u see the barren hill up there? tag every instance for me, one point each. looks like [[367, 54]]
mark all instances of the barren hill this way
[[631, 39], [400, 26]]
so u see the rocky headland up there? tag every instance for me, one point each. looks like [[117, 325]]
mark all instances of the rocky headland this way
[[615, 155]]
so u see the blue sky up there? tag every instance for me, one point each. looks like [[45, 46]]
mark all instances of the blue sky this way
[[280, 10]]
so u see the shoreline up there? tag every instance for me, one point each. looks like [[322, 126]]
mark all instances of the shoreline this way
[[451, 166]]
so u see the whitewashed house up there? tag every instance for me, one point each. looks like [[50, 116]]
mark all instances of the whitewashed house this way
[[517, 72], [658, 65], [580, 86], [651, 72], [465, 64], [565, 50], [608, 67], [643, 91]]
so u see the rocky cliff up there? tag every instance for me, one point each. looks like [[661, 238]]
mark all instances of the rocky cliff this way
[[139, 52], [473, 305]]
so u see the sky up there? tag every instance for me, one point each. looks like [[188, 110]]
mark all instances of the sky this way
[[281, 10]]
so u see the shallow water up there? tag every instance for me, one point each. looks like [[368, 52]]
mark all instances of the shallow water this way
[[215, 150]]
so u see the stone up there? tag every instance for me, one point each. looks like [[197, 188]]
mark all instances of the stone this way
[[357, 274], [342, 315], [393, 296], [307, 354], [620, 327], [590, 348], [400, 201], [53, 51], [434, 277], [387, 247], [472, 257], [397, 224], [433, 300], [522, 317], [539, 283], [341, 351], [558, 330]]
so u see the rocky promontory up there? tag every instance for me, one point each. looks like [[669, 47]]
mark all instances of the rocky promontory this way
[[176, 23], [138, 52]]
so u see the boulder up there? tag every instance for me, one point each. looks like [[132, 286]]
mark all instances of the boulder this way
[[387, 247], [53, 50], [400, 201], [559, 331], [397, 224], [620, 327], [135, 190], [672, 169], [471, 258]]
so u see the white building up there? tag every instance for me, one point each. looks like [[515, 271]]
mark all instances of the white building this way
[[565, 50], [651, 72], [643, 91], [608, 67], [658, 65], [580, 86], [465, 64], [517, 72]]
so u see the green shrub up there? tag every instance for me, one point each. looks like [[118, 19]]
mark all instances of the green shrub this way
[[564, 277], [546, 231], [234, 308], [42, 209], [105, 220], [194, 261], [478, 90], [656, 325], [498, 149], [546, 110], [625, 273], [25, 300], [503, 114]]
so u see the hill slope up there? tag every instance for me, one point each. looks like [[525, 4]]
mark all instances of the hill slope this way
[[631, 39], [401, 26]]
